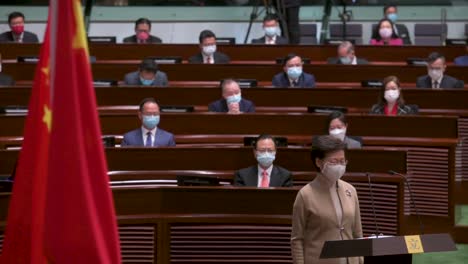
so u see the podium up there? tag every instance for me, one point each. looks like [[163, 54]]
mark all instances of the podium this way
[[397, 249]]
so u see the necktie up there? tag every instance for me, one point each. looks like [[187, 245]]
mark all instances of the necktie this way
[[148, 140], [435, 85], [265, 182], [209, 60]]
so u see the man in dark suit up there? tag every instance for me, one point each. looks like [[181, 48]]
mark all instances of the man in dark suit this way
[[232, 101], [142, 33], [264, 174], [347, 55], [208, 54], [293, 75], [391, 12], [17, 33], [271, 29], [147, 75], [6, 80], [435, 78], [149, 134]]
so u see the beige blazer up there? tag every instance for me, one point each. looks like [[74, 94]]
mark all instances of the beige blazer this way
[[315, 221]]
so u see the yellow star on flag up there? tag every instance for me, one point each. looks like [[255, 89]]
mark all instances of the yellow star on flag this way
[[47, 118], [79, 40]]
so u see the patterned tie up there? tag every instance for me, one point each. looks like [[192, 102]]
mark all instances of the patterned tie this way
[[265, 182], [148, 140]]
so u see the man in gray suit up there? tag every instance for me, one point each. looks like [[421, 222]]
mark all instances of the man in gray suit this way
[[346, 55], [149, 134], [271, 29], [17, 33], [264, 174], [147, 75], [435, 78]]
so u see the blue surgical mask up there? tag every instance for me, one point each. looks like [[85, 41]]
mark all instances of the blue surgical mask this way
[[146, 82], [393, 17], [294, 72], [234, 98], [271, 31], [265, 159], [150, 121], [345, 60]]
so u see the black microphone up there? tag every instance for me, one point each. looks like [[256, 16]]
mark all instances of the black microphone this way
[[377, 232], [421, 226]]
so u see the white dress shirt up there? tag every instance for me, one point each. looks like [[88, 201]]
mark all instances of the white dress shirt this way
[[270, 41], [145, 131], [438, 82], [205, 59]]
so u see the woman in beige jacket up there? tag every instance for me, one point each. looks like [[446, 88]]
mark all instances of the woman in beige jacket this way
[[327, 208]]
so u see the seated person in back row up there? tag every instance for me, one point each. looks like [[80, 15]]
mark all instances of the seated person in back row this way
[[271, 29], [264, 174], [435, 77], [149, 134], [293, 75], [391, 101], [337, 127], [147, 75], [232, 101], [142, 33], [462, 60], [208, 53], [17, 33], [391, 12], [346, 55], [386, 34]]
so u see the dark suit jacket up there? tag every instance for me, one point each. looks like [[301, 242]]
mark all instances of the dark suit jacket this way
[[28, 37], [402, 33], [6, 80], [292, 3], [161, 139], [133, 78], [447, 82], [220, 105], [279, 177], [378, 109], [151, 39], [219, 58], [336, 60], [279, 40], [306, 80], [461, 61]]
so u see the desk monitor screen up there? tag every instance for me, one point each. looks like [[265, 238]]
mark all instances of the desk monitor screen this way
[[226, 41], [167, 59], [177, 108], [456, 42], [103, 39], [279, 141], [281, 60], [416, 61], [197, 180], [325, 109]]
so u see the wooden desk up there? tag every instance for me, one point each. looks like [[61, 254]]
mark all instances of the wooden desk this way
[[360, 98], [189, 224], [244, 52], [217, 72]]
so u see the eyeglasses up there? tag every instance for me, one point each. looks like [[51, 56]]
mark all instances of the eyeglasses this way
[[337, 162], [266, 150]]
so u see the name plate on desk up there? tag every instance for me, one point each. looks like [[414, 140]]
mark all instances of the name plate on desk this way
[[28, 59], [102, 39], [167, 60]]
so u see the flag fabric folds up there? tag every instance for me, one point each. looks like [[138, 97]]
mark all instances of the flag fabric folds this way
[[62, 209]]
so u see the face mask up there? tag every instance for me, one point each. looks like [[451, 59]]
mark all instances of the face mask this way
[[345, 60], [143, 35], [266, 159], [393, 17], [333, 172], [146, 82], [150, 121], [385, 32], [392, 95], [209, 50], [435, 74], [338, 133], [270, 31], [18, 29], [234, 98], [294, 72]]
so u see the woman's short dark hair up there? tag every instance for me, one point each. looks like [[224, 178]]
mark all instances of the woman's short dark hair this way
[[324, 145], [388, 79], [143, 20], [377, 28], [336, 115], [289, 57], [148, 65]]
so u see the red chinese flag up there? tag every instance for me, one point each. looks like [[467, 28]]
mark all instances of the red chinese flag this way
[[25, 223], [80, 222], [62, 209]]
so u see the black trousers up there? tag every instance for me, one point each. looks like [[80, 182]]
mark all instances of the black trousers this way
[[292, 20]]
